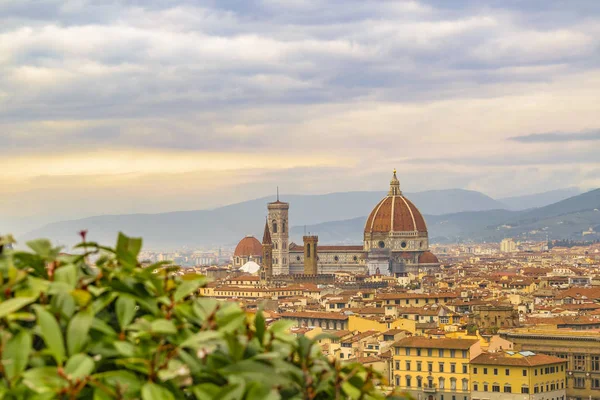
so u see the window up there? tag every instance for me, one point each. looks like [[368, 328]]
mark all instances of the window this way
[[442, 383], [595, 363], [452, 383], [441, 365], [579, 362], [465, 369], [397, 351], [525, 389], [440, 353], [407, 351], [397, 380], [408, 381], [524, 372], [495, 371], [418, 352], [341, 355], [485, 371], [452, 353], [507, 372], [579, 382], [418, 366], [464, 354], [429, 367], [596, 383], [465, 385], [397, 365], [496, 388], [452, 368], [419, 382], [475, 387], [485, 387], [274, 227], [536, 389], [408, 366], [507, 389], [429, 352], [475, 370]]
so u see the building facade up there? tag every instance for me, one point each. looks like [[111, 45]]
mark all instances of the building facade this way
[[434, 369], [518, 376], [580, 350]]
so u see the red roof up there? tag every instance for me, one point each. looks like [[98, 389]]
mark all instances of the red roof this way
[[248, 246], [428, 258], [395, 214]]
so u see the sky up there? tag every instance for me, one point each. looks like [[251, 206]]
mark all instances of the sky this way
[[121, 106]]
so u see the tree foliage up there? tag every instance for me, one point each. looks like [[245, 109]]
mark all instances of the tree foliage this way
[[115, 330]]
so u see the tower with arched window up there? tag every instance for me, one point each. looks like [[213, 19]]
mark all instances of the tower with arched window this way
[[278, 226]]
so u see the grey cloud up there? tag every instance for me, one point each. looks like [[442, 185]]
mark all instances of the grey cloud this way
[[558, 137]]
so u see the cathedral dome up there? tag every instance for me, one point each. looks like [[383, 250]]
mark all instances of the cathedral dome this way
[[395, 213], [428, 258], [248, 246]]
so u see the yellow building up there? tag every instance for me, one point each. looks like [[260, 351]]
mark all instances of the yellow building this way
[[518, 376], [434, 369]]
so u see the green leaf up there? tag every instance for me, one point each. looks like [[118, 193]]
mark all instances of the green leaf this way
[[66, 274], [51, 333], [42, 247], [124, 382], [15, 354], [82, 297], [103, 327], [43, 379], [163, 326], [78, 330], [152, 391], [126, 349], [260, 326], [200, 339], [281, 326], [125, 307], [127, 247], [11, 305], [186, 288], [79, 366]]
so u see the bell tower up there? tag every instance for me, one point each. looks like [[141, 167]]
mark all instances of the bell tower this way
[[278, 227], [310, 255], [266, 270]]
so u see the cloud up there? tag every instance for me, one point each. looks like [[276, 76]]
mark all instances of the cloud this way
[[321, 95], [558, 137]]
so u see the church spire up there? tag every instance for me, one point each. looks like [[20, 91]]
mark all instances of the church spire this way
[[395, 186], [267, 234]]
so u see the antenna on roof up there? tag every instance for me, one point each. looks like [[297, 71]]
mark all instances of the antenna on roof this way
[[277, 193]]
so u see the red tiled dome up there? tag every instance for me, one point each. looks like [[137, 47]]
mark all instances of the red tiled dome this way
[[395, 214], [428, 258], [248, 246]]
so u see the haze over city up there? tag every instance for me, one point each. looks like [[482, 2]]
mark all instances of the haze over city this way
[[122, 107]]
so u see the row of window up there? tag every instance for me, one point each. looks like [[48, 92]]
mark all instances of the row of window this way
[[441, 367], [542, 371], [407, 301], [440, 352], [550, 386], [430, 383]]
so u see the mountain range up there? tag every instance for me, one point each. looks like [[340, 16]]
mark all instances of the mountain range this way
[[451, 215]]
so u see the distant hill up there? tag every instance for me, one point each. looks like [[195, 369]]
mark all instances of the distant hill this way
[[566, 219], [539, 199], [226, 225]]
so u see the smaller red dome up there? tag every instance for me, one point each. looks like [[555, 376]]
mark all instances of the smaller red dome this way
[[248, 246], [428, 258]]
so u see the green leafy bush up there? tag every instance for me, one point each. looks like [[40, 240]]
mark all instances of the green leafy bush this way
[[115, 330]]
